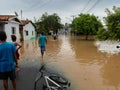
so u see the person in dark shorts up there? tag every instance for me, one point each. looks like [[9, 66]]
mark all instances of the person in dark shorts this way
[[7, 61], [42, 40]]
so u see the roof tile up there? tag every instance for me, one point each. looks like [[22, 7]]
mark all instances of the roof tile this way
[[6, 17]]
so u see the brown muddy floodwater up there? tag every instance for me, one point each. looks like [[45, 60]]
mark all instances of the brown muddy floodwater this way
[[89, 65]]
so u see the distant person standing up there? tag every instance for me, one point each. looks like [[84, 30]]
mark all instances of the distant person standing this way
[[42, 40], [54, 36], [18, 46], [7, 61]]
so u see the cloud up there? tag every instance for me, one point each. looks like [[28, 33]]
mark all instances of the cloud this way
[[64, 8]]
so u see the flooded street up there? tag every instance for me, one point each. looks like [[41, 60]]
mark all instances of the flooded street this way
[[89, 65]]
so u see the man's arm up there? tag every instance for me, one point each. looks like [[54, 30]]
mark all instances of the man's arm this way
[[19, 45]]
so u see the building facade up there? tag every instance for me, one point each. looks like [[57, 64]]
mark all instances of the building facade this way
[[10, 24], [29, 30]]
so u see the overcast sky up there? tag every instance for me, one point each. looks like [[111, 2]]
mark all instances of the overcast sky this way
[[66, 9]]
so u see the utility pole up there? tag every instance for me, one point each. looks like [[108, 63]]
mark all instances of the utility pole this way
[[73, 17], [21, 14]]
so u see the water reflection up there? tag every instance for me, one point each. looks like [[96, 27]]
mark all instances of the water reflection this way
[[85, 51], [29, 49], [53, 47], [90, 65]]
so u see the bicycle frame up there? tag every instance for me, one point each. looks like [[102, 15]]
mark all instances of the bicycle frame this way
[[50, 83], [48, 79]]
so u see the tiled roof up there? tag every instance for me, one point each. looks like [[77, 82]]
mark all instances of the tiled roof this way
[[6, 17], [24, 22]]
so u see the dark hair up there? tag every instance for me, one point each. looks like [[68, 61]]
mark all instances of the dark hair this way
[[3, 36], [42, 33], [13, 37]]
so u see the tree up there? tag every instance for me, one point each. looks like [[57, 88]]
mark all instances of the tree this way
[[113, 23], [86, 24], [49, 23]]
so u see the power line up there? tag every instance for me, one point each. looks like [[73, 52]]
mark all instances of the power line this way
[[86, 5], [36, 6], [93, 5]]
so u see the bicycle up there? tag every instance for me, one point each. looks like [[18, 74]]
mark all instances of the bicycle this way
[[52, 80]]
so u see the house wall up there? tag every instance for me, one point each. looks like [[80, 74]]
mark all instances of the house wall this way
[[8, 30], [29, 31]]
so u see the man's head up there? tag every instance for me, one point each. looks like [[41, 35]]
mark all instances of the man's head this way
[[3, 36]]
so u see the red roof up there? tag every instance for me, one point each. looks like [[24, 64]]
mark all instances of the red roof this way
[[24, 22], [6, 17]]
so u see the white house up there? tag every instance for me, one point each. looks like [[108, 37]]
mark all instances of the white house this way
[[10, 24], [28, 30]]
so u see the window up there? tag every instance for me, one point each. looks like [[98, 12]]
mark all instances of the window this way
[[26, 32], [13, 30]]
